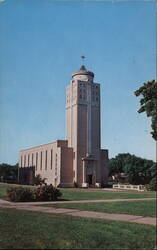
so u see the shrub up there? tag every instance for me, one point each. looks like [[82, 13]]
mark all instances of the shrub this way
[[38, 180], [152, 186], [42, 193], [20, 194], [47, 193]]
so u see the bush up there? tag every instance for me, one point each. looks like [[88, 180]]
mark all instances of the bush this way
[[108, 185], [42, 193], [20, 194], [47, 193], [38, 180], [152, 186]]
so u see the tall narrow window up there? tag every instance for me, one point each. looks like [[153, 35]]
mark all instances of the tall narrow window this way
[[21, 161], [24, 160], [36, 161], [56, 159], [28, 160], [46, 160], [32, 160], [41, 161], [51, 157], [56, 166]]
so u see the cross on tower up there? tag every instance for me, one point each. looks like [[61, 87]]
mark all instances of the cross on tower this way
[[83, 57]]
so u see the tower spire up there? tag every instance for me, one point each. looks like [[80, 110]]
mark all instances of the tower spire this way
[[83, 67], [83, 57]]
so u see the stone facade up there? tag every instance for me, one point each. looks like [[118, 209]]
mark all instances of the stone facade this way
[[79, 159], [52, 161]]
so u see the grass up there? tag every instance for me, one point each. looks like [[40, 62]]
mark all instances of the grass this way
[[143, 208], [35, 230], [88, 194], [93, 194]]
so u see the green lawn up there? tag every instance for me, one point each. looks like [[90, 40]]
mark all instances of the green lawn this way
[[143, 208], [85, 194], [89, 194], [3, 188], [34, 230]]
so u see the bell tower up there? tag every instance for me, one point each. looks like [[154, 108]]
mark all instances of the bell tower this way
[[83, 127]]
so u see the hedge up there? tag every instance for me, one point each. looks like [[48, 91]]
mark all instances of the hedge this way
[[42, 193]]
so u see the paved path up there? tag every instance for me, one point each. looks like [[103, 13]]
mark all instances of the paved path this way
[[32, 206], [90, 201], [77, 201]]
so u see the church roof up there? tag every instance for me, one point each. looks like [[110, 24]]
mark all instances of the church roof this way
[[83, 71]]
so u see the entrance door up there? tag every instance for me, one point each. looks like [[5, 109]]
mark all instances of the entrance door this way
[[89, 179]]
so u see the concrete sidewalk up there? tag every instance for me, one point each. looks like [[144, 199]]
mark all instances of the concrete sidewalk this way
[[77, 201], [78, 213]]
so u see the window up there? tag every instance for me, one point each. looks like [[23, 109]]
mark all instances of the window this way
[[32, 160], [24, 160], [96, 87], [46, 160], [96, 98], [56, 165], [80, 96], [41, 161], [36, 161], [21, 161], [28, 160], [56, 159], [51, 157]]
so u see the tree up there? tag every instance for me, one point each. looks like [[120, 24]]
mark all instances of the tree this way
[[138, 170], [116, 165], [149, 103], [152, 186], [8, 173]]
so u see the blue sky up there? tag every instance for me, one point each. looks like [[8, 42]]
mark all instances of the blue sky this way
[[40, 46]]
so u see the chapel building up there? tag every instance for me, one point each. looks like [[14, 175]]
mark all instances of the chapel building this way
[[78, 160]]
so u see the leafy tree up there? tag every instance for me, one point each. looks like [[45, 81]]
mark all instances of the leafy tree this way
[[116, 165], [149, 103], [8, 173], [138, 170], [152, 186]]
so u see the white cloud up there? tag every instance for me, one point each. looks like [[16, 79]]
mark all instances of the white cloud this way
[[2, 1]]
